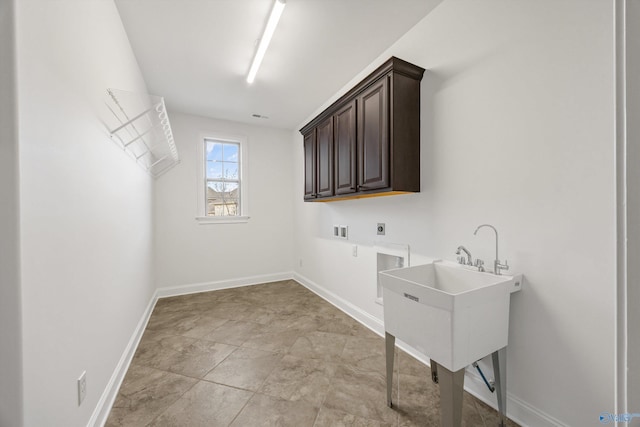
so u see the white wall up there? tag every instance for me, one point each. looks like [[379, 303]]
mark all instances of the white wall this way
[[10, 313], [517, 130], [189, 253], [86, 208], [633, 210]]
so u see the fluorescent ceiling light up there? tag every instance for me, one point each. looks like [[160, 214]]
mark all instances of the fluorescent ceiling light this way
[[278, 7]]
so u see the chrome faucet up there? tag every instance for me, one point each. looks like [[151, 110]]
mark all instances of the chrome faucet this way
[[461, 259], [497, 265]]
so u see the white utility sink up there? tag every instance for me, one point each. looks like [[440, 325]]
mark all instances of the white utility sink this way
[[452, 314]]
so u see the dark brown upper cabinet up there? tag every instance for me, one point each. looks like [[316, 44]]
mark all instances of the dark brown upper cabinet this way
[[367, 143], [373, 137], [324, 162], [344, 140], [310, 191]]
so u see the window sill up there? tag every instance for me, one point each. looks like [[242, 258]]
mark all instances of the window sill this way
[[204, 220]]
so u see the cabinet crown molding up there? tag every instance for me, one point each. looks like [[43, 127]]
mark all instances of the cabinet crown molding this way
[[367, 143], [393, 64]]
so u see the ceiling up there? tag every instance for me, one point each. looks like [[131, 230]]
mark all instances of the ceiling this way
[[197, 53]]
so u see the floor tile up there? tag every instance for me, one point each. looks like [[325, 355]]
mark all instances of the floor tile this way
[[360, 393], [279, 341], [470, 415], [300, 379], [300, 322], [234, 332], [408, 365], [194, 325], [206, 404], [155, 347], [343, 326], [418, 404], [168, 320], [230, 310], [417, 401], [245, 368], [201, 326], [366, 353], [197, 359], [335, 418], [271, 411], [144, 394], [273, 354], [262, 315], [319, 345]]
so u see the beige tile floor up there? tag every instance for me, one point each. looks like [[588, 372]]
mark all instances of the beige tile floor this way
[[274, 354]]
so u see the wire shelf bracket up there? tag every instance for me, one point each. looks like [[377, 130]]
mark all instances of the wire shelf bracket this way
[[141, 127]]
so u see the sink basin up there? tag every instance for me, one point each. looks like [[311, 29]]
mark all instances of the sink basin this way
[[448, 312]]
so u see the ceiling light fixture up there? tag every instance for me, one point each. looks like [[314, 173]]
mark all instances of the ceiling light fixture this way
[[276, 12]]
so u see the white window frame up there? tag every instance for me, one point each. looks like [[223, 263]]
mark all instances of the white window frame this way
[[201, 203]]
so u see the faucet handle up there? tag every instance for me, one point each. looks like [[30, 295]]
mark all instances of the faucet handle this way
[[499, 266], [479, 264]]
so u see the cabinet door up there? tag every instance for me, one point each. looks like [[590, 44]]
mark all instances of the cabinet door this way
[[324, 144], [373, 137], [310, 165], [344, 132]]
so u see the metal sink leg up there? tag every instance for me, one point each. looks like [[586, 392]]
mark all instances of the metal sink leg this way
[[500, 372], [390, 342], [451, 392], [434, 371]]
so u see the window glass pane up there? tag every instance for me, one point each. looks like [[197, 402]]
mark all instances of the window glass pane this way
[[230, 153], [222, 175], [214, 189], [230, 170], [214, 169], [222, 198], [231, 198], [214, 150], [231, 189]]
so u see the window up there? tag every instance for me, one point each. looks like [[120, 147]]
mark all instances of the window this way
[[222, 179]]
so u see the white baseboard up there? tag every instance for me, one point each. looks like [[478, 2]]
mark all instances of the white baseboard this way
[[371, 322], [222, 284], [517, 409], [101, 412]]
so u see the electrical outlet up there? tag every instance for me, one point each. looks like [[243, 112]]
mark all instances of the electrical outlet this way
[[354, 250], [380, 229], [300, 262], [82, 387]]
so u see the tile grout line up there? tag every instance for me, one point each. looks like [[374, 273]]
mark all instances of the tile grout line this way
[[201, 311], [172, 403], [329, 388], [242, 409]]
